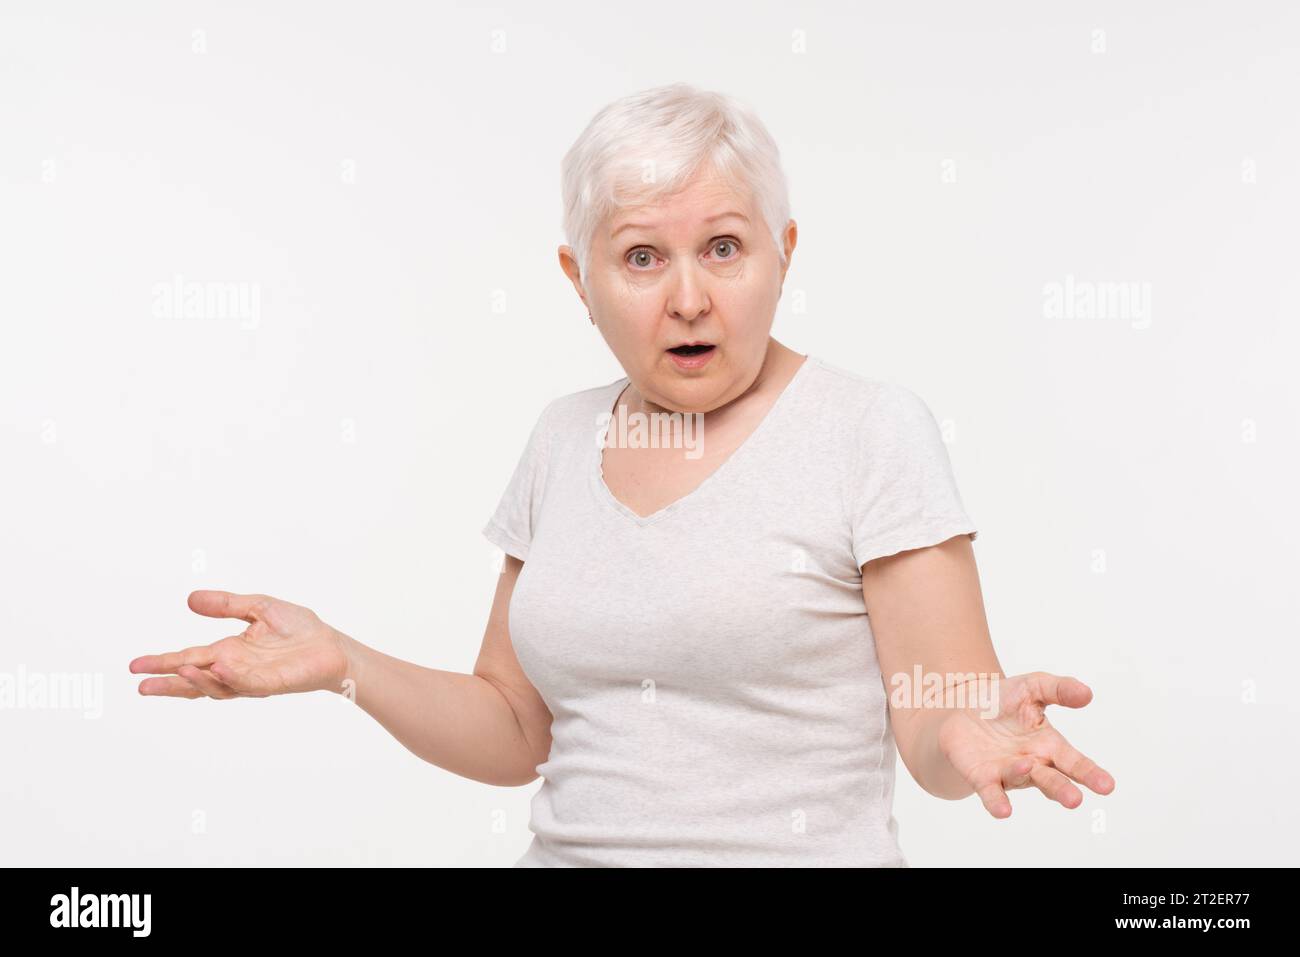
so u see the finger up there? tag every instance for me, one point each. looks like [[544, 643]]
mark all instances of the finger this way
[[169, 687], [1081, 768], [224, 604], [995, 799], [1056, 785], [992, 793], [200, 656], [204, 681], [1061, 689]]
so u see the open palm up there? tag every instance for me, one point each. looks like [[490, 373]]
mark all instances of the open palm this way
[[1017, 747], [285, 648]]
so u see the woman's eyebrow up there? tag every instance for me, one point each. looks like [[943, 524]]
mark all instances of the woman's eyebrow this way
[[711, 219]]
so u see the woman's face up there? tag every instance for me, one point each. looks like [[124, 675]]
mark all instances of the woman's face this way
[[699, 267]]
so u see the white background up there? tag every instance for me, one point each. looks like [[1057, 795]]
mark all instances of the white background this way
[[387, 176]]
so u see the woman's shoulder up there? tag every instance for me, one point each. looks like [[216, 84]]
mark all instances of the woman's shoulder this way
[[582, 407], [849, 393]]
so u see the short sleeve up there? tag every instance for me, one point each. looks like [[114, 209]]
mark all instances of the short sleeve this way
[[514, 522], [903, 493]]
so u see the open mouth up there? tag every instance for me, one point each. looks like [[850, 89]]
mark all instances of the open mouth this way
[[691, 350]]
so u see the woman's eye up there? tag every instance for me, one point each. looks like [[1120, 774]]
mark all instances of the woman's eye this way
[[642, 258], [726, 244]]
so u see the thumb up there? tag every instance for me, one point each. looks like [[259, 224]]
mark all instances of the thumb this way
[[1061, 689]]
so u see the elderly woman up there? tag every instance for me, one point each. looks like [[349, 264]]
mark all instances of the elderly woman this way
[[711, 648]]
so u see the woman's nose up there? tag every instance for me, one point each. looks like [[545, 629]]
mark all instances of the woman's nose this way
[[688, 294]]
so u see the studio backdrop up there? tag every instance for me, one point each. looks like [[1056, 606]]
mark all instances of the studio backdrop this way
[[280, 301]]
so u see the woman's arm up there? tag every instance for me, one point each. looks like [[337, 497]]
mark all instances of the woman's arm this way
[[926, 608], [967, 728], [491, 726]]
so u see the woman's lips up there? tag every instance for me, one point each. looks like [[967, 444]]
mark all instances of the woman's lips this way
[[696, 360]]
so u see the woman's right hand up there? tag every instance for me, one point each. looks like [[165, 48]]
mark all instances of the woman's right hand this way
[[284, 649]]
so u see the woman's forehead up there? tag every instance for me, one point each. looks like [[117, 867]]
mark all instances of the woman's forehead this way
[[684, 209]]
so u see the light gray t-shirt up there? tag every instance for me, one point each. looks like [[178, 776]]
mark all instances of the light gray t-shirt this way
[[710, 668]]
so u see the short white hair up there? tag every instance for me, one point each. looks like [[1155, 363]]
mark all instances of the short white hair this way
[[646, 146]]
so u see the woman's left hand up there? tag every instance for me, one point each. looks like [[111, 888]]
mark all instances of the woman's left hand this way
[[1016, 747]]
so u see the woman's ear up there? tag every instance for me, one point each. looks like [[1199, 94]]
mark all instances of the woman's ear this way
[[571, 269], [791, 239]]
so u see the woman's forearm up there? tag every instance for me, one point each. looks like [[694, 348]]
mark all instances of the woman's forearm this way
[[460, 722], [917, 735]]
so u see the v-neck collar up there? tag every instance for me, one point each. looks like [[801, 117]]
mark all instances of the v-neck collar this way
[[596, 467]]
